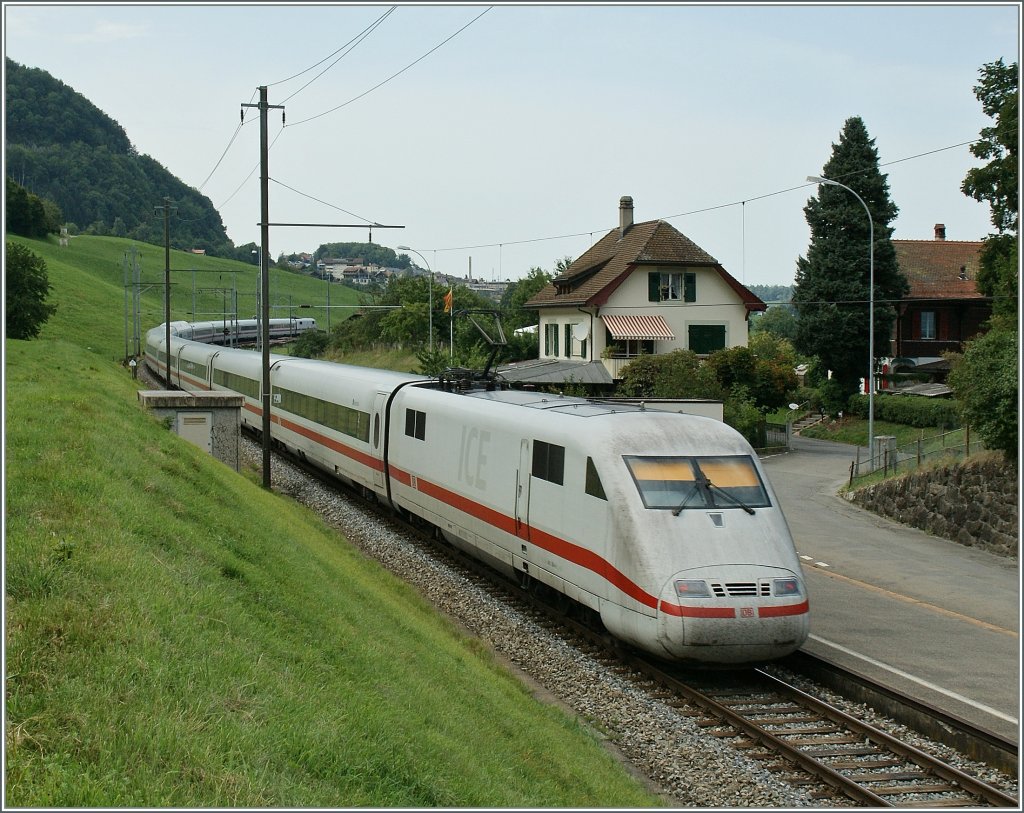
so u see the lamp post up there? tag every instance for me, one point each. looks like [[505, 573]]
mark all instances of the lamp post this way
[[430, 292], [259, 283], [871, 312]]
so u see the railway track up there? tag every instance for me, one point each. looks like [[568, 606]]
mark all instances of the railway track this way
[[805, 740], [788, 729], [809, 743]]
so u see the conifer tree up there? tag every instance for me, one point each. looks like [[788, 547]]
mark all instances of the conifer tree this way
[[27, 286], [832, 290]]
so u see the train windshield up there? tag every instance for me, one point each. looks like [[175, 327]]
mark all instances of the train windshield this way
[[682, 483]]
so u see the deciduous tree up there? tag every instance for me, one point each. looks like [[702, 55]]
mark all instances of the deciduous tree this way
[[519, 292], [996, 184], [985, 380]]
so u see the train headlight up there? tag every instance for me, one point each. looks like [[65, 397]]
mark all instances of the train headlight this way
[[786, 587], [692, 588]]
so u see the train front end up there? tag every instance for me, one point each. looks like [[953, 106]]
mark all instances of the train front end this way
[[703, 530]]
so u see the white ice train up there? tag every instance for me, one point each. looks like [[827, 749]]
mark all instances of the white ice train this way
[[664, 524], [226, 331]]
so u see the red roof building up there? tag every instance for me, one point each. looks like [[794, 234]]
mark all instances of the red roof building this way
[[944, 308]]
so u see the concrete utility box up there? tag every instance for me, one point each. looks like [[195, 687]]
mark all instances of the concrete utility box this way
[[210, 420]]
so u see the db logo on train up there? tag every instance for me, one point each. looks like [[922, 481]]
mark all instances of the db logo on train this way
[[746, 612]]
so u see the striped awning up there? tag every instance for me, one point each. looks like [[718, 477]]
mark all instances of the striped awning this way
[[634, 326]]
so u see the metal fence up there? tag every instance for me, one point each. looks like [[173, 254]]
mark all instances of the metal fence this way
[[890, 458], [775, 434]]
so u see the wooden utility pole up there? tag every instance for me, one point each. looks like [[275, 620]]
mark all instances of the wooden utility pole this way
[[265, 271], [167, 288], [265, 225]]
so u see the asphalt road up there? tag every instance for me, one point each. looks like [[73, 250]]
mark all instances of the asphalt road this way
[[920, 612]]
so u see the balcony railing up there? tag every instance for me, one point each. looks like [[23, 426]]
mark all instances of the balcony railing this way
[[927, 347], [615, 364]]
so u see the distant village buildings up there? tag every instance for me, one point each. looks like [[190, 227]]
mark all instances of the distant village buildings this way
[[356, 271]]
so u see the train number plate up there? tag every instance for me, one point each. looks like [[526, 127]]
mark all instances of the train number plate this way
[[746, 612]]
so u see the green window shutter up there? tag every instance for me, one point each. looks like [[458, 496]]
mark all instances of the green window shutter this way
[[654, 286], [690, 287], [706, 339]]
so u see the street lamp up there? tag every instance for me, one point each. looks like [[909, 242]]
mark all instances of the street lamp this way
[[871, 312], [430, 292], [259, 283]]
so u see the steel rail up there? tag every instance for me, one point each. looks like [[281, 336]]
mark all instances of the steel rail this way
[[924, 760]]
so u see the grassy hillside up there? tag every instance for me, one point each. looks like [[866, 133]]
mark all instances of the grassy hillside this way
[[178, 637], [89, 288]]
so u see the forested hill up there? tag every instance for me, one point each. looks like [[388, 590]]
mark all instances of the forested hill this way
[[62, 147]]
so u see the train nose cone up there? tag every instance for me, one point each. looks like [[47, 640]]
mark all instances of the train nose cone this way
[[733, 614]]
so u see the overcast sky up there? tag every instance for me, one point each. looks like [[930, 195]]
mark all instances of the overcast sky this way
[[508, 138]]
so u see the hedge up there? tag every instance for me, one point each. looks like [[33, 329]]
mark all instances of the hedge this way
[[910, 410]]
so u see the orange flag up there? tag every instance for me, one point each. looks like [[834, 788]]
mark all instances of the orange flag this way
[[448, 301]]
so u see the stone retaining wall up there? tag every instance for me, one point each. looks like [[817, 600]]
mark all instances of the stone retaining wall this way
[[974, 503]]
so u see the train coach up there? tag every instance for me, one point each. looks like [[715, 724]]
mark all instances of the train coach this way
[[241, 330], [662, 524]]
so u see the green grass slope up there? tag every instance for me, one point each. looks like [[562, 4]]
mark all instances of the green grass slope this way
[[89, 280], [178, 637]]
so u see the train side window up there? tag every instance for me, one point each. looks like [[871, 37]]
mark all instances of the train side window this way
[[593, 485], [548, 461], [376, 430], [416, 424]]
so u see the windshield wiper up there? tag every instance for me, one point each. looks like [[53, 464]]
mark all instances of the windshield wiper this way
[[683, 504], [725, 493]]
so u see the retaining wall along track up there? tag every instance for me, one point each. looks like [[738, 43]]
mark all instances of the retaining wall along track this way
[[974, 503]]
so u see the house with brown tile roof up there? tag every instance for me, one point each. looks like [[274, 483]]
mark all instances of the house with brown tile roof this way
[[944, 308], [643, 288]]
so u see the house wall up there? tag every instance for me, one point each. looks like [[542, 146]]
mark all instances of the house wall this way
[[716, 304], [955, 323], [561, 319]]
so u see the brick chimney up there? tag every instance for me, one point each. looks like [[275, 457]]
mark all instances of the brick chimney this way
[[940, 231], [625, 215]]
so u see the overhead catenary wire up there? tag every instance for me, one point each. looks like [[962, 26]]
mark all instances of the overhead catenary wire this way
[[360, 38], [394, 75], [251, 171], [350, 45], [369, 222], [231, 141], [357, 40], [741, 202]]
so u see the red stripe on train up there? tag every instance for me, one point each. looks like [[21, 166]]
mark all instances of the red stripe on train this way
[[572, 553]]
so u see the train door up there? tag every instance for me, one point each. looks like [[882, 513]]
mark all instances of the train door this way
[[523, 490], [177, 366], [377, 438]]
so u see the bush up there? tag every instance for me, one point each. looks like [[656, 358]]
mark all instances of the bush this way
[[311, 344], [741, 413], [678, 374], [28, 285], [985, 381], [832, 397], [910, 410]]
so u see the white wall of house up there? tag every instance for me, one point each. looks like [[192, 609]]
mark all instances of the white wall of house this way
[[716, 305], [559, 335]]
